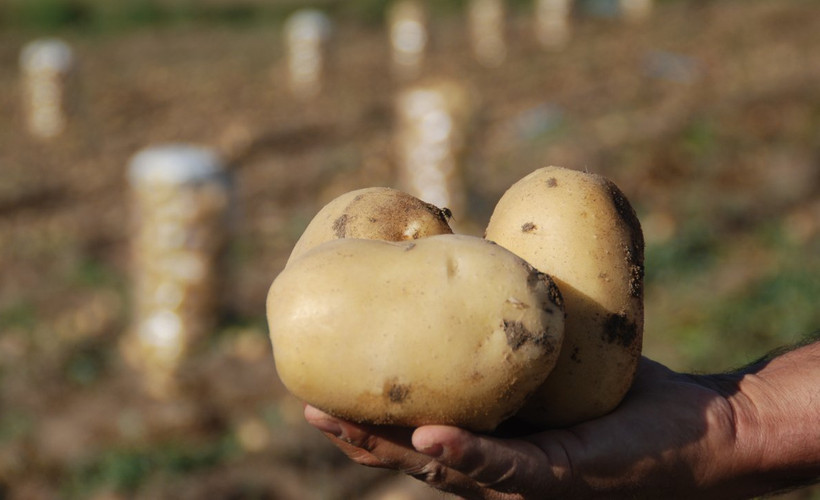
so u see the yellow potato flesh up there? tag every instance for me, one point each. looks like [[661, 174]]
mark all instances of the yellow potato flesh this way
[[580, 229], [448, 330]]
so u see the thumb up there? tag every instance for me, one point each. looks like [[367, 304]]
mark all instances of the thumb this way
[[514, 466]]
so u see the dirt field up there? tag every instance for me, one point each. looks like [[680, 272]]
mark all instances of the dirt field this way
[[708, 118]]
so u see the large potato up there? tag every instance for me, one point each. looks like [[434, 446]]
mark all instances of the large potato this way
[[448, 329], [581, 230], [376, 213]]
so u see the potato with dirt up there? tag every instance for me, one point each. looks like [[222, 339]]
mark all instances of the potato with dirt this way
[[375, 213], [581, 230], [449, 329]]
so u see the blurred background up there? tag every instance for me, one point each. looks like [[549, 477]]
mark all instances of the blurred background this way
[[705, 113]]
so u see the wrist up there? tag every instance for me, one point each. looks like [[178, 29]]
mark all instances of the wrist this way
[[776, 415], [723, 461]]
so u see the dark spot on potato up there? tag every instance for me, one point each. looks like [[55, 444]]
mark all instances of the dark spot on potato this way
[[534, 276], [574, 355], [409, 247], [396, 392], [442, 214], [553, 298], [636, 274], [518, 335], [552, 182], [634, 250], [554, 292], [340, 226], [618, 329], [528, 227]]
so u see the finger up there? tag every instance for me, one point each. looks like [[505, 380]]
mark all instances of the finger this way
[[377, 446], [502, 465], [395, 440], [390, 447], [332, 428]]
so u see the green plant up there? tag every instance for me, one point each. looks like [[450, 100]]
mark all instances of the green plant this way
[[21, 314], [49, 14], [126, 469]]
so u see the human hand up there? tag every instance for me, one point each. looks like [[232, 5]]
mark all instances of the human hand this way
[[673, 436]]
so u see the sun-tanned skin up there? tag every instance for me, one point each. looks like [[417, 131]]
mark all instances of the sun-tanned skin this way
[[727, 436]]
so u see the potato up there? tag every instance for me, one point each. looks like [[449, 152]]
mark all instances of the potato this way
[[581, 230], [449, 329], [376, 213]]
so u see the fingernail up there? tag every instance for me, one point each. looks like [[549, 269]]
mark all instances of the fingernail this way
[[433, 450], [329, 426]]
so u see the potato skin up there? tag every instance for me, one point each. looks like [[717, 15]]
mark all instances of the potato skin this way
[[581, 230], [375, 213], [449, 329]]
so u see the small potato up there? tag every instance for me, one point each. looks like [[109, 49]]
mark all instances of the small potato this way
[[376, 213], [581, 230], [448, 329]]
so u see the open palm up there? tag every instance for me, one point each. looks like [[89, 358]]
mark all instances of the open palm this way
[[659, 443]]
